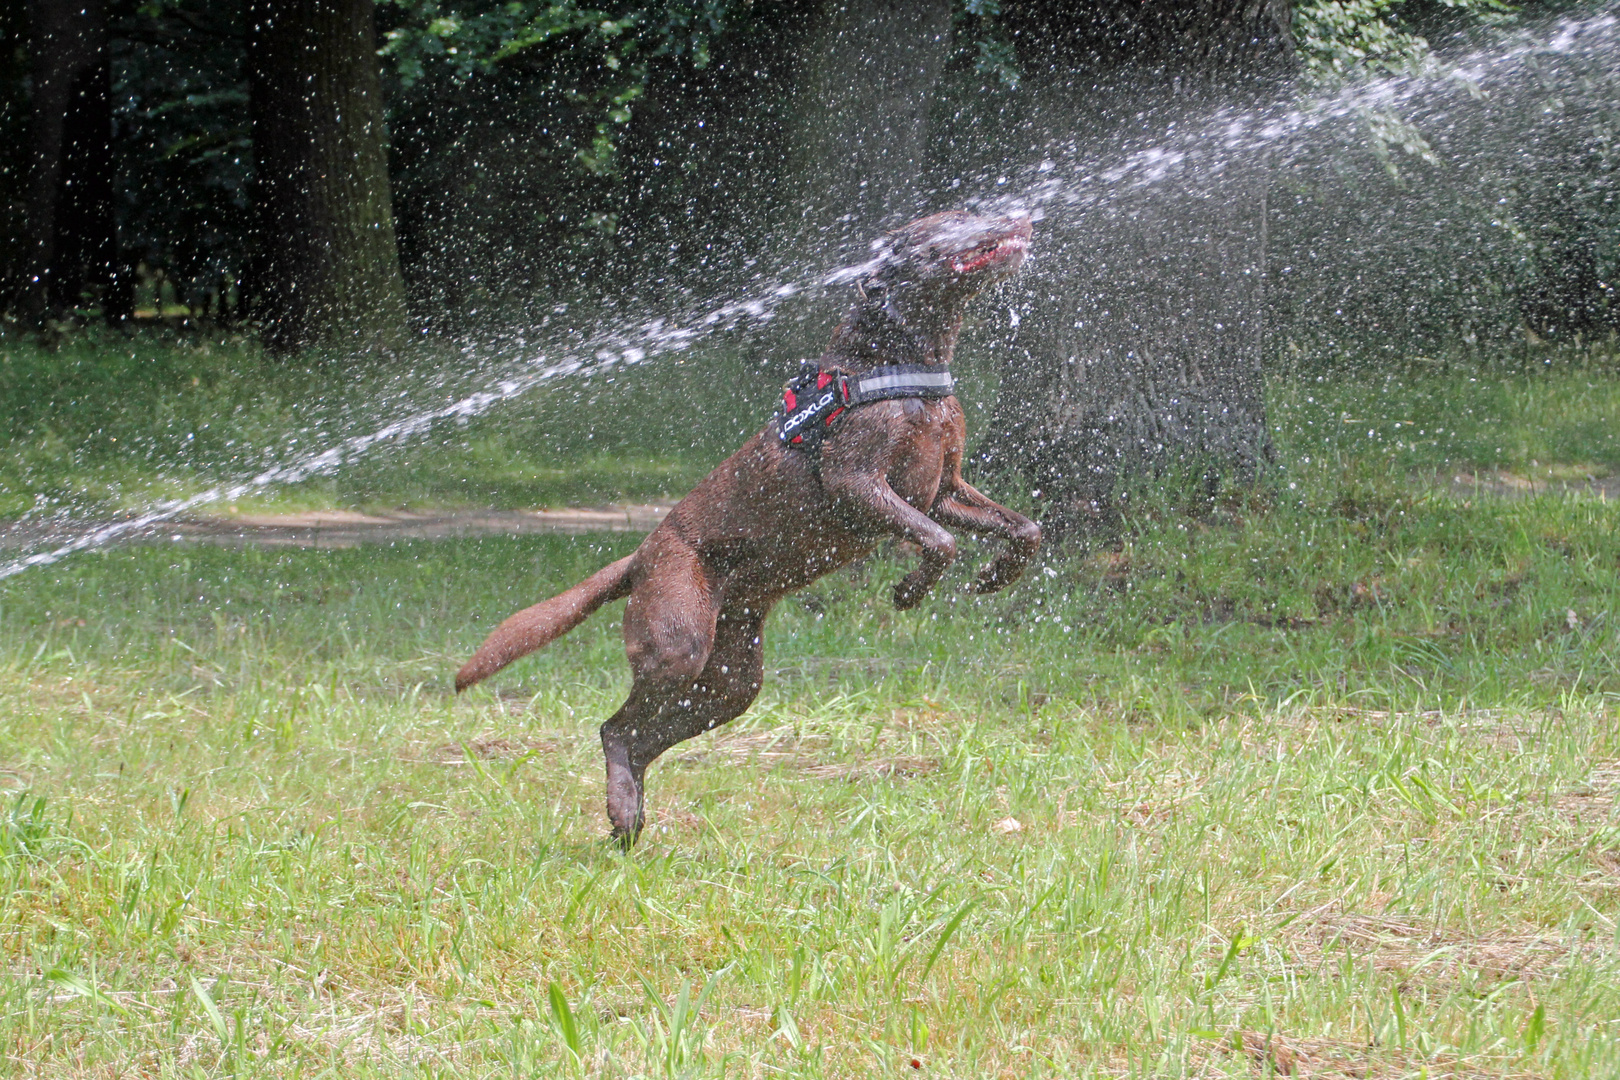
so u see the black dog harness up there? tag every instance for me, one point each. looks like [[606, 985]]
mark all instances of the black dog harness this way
[[814, 399]]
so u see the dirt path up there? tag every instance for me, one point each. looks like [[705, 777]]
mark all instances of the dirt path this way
[[348, 528], [1464, 484]]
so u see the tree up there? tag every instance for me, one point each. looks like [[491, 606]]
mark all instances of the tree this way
[[1143, 342], [13, 144], [1568, 202], [326, 266], [854, 144], [515, 152], [183, 141], [72, 238]]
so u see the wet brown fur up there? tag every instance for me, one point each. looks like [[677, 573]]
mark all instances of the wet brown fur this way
[[770, 519]]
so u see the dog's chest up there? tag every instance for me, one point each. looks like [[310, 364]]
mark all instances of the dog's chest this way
[[918, 457]]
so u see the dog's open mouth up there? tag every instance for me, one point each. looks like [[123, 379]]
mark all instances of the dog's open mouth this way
[[1005, 251]]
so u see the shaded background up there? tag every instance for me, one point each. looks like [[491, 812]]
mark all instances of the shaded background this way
[[1422, 182]]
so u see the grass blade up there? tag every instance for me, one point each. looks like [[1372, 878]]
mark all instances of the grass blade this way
[[945, 936], [567, 1027], [215, 1017], [82, 987]]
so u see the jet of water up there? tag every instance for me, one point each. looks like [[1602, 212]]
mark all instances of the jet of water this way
[[1076, 178], [613, 349]]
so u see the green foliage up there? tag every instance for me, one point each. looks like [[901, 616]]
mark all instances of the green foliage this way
[[1566, 212], [466, 38], [1326, 765], [14, 141], [459, 71], [595, 61], [1483, 219], [101, 421], [102, 424], [526, 135], [24, 830], [1338, 39], [111, 424], [981, 37], [184, 145]]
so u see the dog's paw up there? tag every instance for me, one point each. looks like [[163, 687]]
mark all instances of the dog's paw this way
[[909, 593], [989, 580], [997, 574]]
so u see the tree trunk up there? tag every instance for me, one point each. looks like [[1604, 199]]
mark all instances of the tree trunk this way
[[326, 267], [858, 138], [15, 248], [856, 142], [73, 246], [1145, 337], [1569, 204]]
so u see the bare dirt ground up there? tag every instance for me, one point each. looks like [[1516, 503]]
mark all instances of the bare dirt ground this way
[[1468, 483], [339, 528], [348, 528]]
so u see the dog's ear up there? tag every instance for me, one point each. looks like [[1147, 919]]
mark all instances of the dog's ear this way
[[890, 255], [873, 288]]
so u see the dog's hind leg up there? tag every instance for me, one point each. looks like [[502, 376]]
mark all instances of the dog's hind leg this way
[[730, 681], [669, 627], [721, 692]]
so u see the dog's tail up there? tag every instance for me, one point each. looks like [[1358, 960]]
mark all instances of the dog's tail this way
[[538, 626]]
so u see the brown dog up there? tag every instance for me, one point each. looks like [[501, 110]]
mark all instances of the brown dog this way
[[775, 516]]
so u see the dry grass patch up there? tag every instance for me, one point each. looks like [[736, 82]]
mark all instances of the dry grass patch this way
[[490, 748], [874, 768], [1408, 947], [1593, 799], [1332, 1059], [784, 747]]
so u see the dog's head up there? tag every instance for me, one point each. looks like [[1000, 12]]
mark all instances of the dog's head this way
[[949, 257], [915, 289]]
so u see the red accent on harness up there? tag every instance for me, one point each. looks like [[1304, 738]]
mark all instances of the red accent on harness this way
[[797, 438], [833, 415], [822, 380], [789, 400]]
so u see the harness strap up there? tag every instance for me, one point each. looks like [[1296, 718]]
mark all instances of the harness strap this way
[[815, 398], [901, 381]]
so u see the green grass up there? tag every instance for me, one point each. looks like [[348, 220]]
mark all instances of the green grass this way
[[1319, 775], [106, 424], [1341, 772]]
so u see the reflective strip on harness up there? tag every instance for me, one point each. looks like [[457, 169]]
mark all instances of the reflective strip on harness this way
[[928, 382]]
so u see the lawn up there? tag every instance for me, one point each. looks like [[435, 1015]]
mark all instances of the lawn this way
[[105, 425], [1317, 779]]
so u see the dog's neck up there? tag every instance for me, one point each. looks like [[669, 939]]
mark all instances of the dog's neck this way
[[879, 331]]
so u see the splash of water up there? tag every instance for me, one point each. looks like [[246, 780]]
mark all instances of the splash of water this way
[[1067, 178], [1070, 177], [610, 350]]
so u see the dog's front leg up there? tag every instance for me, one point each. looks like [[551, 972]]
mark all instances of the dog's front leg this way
[[869, 505], [966, 508]]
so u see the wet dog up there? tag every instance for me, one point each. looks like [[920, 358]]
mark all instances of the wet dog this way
[[780, 513]]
